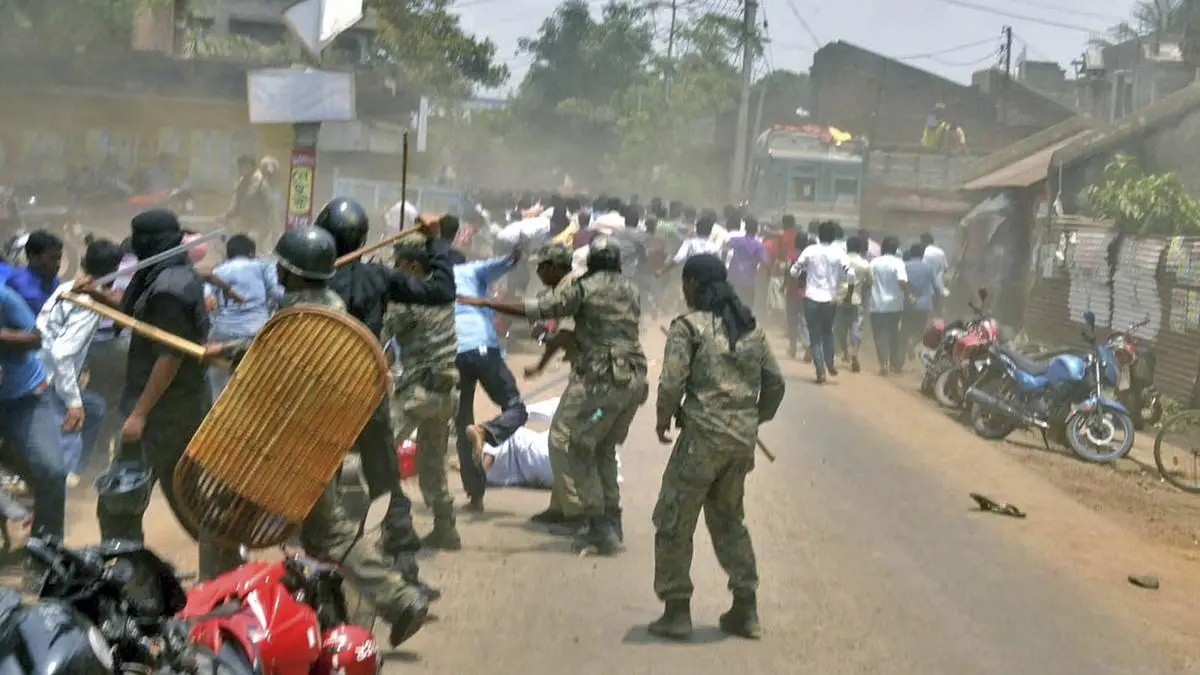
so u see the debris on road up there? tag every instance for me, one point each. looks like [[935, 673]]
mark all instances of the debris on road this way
[[1144, 581], [993, 506]]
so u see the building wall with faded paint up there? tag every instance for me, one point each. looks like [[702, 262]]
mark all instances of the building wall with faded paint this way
[[45, 137], [1080, 268], [889, 101]]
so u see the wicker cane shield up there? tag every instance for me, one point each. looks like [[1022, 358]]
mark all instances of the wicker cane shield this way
[[279, 431]]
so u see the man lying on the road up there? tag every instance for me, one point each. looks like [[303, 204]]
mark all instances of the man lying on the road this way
[[524, 459]]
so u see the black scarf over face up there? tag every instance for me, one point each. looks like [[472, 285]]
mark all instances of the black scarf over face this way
[[154, 231], [712, 293]]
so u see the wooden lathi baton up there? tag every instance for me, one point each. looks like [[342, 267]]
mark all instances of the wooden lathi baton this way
[[371, 248], [185, 347], [757, 441]]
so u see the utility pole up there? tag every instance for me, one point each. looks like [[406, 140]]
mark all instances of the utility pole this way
[[749, 8], [1008, 39], [1006, 61], [670, 55]]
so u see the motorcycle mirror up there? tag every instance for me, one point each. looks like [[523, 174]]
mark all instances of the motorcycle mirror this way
[[1089, 317], [983, 294]]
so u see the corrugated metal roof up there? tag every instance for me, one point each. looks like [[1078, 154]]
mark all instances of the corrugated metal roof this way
[[1025, 171]]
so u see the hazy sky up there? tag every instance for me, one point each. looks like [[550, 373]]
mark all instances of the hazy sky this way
[[896, 28]]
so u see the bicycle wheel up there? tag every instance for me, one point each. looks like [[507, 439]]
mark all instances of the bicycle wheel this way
[[1177, 450]]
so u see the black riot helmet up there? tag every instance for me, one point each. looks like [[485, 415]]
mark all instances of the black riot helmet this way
[[307, 252], [347, 221]]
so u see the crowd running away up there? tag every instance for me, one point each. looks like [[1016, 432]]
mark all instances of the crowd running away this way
[[446, 305]]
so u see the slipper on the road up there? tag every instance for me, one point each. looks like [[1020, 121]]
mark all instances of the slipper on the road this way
[[992, 506], [1144, 581]]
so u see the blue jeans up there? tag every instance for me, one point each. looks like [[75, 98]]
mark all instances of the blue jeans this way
[[848, 329], [889, 345], [819, 316], [77, 445], [32, 433], [486, 369]]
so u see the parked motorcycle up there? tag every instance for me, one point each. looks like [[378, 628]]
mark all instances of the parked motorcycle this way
[[962, 354], [1136, 390], [102, 610], [287, 617], [937, 344], [1062, 396]]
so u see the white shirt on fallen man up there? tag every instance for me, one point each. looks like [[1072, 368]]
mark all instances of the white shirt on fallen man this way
[[524, 459]]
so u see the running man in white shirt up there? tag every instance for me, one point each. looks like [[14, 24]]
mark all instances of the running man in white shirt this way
[[935, 257], [67, 331], [698, 243], [827, 273]]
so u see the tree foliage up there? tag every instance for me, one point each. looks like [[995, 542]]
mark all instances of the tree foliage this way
[[1143, 204], [603, 103], [1148, 17], [68, 26], [424, 43]]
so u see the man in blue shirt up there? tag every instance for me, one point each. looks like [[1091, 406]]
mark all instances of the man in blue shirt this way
[[29, 423], [38, 279], [480, 361], [255, 281]]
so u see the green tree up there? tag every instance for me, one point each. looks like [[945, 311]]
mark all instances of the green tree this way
[[784, 93], [68, 26], [1149, 17], [1143, 204], [423, 42]]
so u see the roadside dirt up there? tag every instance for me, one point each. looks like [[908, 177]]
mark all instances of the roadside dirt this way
[[1096, 524]]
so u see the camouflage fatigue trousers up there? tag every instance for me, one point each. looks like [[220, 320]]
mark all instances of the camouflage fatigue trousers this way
[[591, 421], [564, 498], [702, 474], [329, 534], [430, 413]]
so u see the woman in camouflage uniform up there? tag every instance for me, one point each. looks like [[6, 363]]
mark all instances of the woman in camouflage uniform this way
[[719, 382]]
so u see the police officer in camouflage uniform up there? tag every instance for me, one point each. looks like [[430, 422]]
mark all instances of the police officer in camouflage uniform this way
[[306, 263], [719, 382], [368, 288], [554, 268], [426, 393], [600, 401]]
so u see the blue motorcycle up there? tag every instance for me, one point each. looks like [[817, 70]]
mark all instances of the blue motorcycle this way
[[1062, 396]]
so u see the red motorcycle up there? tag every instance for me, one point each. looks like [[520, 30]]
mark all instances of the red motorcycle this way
[[1136, 390], [286, 618], [964, 347]]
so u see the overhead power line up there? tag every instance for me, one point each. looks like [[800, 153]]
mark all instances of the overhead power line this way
[[1068, 10], [817, 43], [947, 50], [1023, 17]]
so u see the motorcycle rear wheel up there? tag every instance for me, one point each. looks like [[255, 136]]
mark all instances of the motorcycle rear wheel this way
[[1077, 429], [991, 426]]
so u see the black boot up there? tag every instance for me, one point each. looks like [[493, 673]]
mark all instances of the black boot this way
[[614, 516], [445, 534], [407, 620], [599, 535], [675, 622], [406, 564], [742, 618], [548, 517]]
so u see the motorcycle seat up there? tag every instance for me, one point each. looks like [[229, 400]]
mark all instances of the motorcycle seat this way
[[1025, 363]]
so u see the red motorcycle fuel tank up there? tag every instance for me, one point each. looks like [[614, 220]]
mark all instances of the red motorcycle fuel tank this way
[[274, 629]]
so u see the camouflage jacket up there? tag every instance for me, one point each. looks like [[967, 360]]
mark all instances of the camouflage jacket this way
[[607, 310], [428, 345], [236, 349], [721, 394]]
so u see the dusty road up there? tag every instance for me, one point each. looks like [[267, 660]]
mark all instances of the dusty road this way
[[871, 562], [871, 559]]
